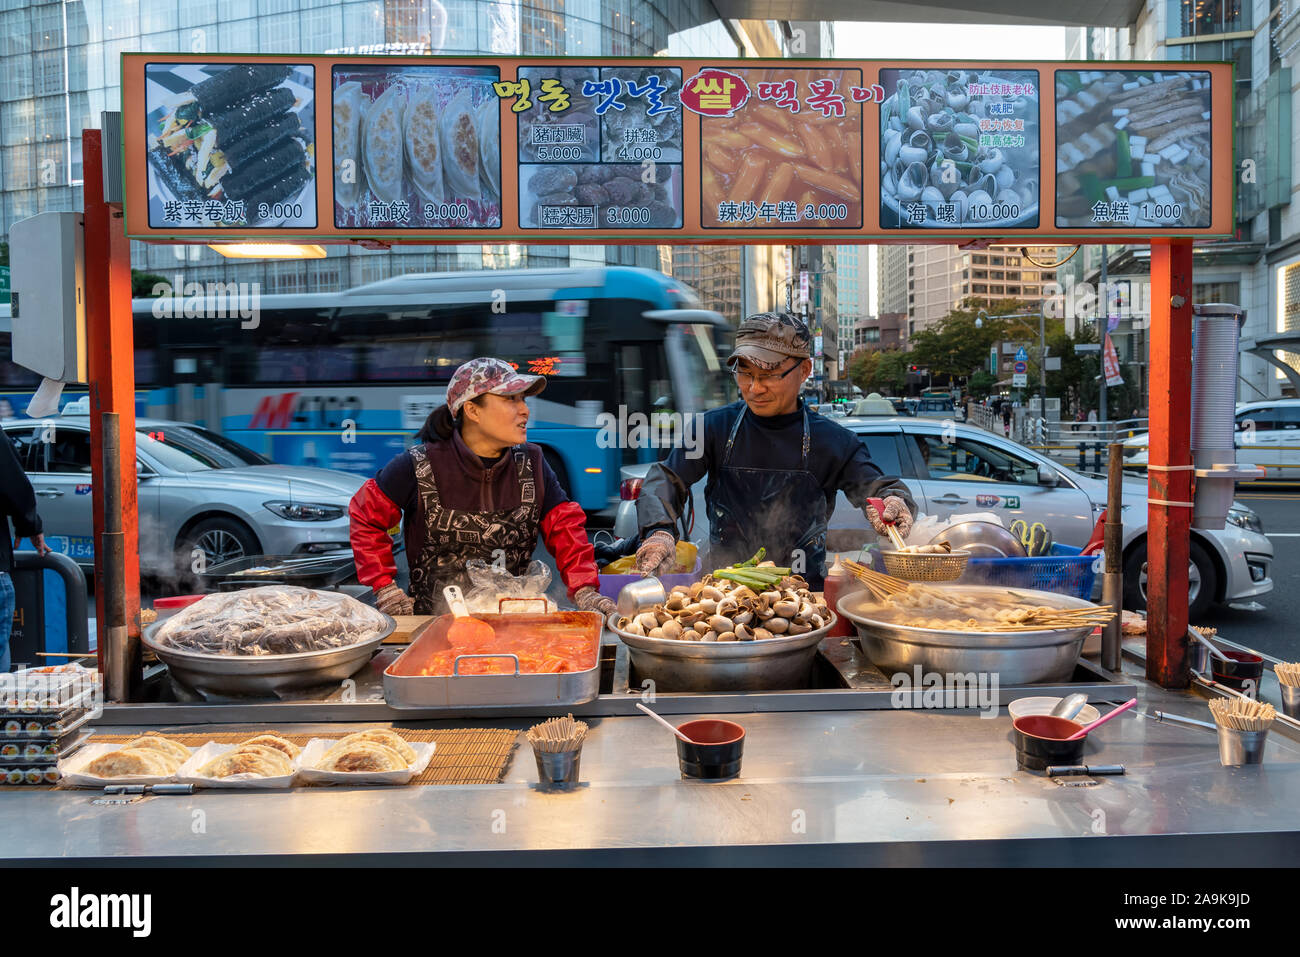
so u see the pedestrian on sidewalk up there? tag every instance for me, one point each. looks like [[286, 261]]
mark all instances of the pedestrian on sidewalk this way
[[17, 502]]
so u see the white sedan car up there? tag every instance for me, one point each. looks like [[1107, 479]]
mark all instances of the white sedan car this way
[[956, 468]]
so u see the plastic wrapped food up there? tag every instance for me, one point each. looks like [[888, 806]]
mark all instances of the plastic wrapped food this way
[[492, 583], [272, 620]]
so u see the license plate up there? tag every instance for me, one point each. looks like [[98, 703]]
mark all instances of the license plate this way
[[74, 546]]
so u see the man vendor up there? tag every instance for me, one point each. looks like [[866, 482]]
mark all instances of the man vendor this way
[[773, 466]]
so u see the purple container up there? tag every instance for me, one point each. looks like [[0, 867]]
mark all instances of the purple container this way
[[611, 585]]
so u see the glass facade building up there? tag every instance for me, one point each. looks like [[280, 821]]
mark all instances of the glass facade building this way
[[60, 67]]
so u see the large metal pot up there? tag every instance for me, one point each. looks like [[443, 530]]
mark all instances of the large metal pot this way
[[264, 675], [1021, 657], [774, 664]]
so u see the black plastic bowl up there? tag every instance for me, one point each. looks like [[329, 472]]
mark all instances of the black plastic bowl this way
[[714, 750], [1040, 741], [1240, 668]]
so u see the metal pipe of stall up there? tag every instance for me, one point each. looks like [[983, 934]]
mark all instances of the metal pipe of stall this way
[[121, 651], [1112, 583]]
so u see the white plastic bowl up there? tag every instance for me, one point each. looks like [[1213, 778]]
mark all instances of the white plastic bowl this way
[[1023, 706]]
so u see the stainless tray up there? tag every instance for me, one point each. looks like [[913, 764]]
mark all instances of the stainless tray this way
[[490, 691], [265, 675], [773, 664], [1022, 657]]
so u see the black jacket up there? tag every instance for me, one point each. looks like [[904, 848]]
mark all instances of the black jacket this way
[[17, 502], [836, 457]]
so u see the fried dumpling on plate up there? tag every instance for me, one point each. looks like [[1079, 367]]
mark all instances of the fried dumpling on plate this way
[[362, 756], [158, 743], [423, 150], [251, 759], [381, 144], [130, 762], [384, 736], [489, 144], [285, 747], [460, 148], [349, 178]]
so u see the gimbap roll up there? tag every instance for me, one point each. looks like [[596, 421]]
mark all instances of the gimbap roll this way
[[10, 751], [51, 775], [279, 189], [236, 83], [14, 776], [245, 115], [262, 169], [13, 727], [35, 776], [259, 141]]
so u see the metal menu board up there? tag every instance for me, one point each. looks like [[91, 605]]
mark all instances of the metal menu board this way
[[677, 151]]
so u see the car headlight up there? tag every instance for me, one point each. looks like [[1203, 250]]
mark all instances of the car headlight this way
[[1246, 518], [306, 511]]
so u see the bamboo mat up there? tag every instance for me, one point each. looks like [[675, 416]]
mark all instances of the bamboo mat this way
[[463, 755]]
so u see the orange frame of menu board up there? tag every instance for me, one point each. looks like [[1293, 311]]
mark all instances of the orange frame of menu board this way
[[230, 148]]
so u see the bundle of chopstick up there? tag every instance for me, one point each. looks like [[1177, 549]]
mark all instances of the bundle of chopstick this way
[[1288, 673], [557, 735], [882, 586], [1242, 714]]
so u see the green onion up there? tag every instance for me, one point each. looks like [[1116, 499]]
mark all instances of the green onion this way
[[1123, 155]]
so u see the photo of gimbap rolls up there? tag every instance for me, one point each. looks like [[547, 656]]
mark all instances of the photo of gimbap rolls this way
[[231, 145]]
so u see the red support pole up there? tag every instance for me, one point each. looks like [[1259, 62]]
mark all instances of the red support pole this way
[[1169, 477], [111, 361]]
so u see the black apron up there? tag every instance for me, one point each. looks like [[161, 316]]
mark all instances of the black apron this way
[[782, 510], [453, 536]]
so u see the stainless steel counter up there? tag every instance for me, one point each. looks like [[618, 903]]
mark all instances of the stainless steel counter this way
[[861, 787]]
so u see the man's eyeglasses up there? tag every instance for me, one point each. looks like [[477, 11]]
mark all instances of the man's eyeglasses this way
[[749, 380]]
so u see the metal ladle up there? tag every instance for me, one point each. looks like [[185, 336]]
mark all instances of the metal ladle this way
[[1069, 706]]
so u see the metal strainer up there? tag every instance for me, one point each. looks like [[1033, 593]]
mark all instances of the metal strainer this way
[[917, 567]]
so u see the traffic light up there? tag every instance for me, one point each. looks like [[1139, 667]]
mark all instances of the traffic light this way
[[914, 368]]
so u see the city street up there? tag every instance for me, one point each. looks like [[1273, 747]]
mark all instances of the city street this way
[[1272, 630]]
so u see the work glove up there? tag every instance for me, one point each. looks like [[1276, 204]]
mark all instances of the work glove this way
[[588, 599], [896, 511], [391, 600], [657, 554]]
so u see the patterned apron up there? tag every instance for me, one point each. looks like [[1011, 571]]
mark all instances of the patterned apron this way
[[453, 536]]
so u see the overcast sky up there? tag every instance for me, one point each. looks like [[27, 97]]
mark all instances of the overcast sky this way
[[934, 41]]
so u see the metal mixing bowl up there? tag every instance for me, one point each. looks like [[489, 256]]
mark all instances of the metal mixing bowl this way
[[1018, 657], [773, 664], [264, 675], [982, 540]]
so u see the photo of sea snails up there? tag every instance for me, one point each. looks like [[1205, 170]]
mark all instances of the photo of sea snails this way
[[959, 149]]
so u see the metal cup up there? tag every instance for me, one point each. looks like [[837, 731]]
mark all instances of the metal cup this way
[[639, 596], [558, 769], [1240, 747], [1290, 700], [1199, 657]]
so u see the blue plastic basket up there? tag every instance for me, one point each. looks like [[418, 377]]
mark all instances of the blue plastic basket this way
[[1063, 571]]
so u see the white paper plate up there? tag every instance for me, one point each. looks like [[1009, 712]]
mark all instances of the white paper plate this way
[[72, 769], [189, 771], [316, 748]]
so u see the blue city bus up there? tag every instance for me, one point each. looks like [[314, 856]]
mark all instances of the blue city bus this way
[[345, 380]]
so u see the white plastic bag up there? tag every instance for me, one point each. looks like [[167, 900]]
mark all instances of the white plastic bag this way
[[492, 583]]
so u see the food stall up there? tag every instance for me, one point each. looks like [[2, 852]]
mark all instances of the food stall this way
[[890, 743]]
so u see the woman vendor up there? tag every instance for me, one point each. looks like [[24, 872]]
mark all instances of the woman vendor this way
[[472, 488]]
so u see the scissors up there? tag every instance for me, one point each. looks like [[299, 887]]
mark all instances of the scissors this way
[[1036, 538]]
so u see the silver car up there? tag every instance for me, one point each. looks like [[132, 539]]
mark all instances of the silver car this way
[[199, 493], [956, 468]]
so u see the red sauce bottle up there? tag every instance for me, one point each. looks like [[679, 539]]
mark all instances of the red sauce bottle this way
[[838, 583]]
